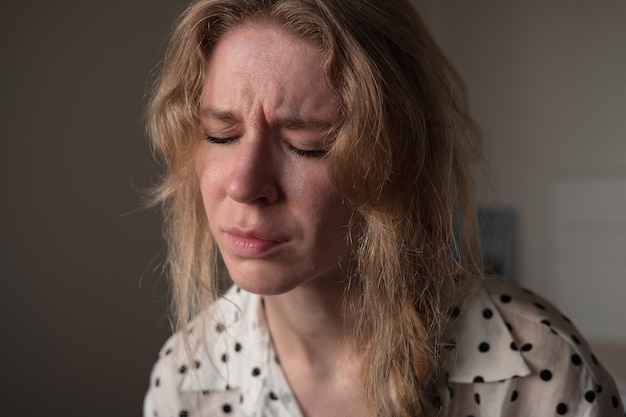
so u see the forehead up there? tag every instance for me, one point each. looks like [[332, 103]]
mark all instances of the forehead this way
[[266, 42], [261, 64]]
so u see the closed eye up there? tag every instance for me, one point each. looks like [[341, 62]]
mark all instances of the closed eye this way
[[314, 153], [214, 139]]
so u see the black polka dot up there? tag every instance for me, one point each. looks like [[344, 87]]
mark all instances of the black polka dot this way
[[237, 347], [478, 379], [219, 327], [599, 388], [505, 298], [226, 408], [554, 332], [575, 339], [487, 313], [545, 375], [566, 318], [205, 392], [182, 369], [240, 398], [157, 382], [527, 347], [594, 359], [576, 359], [238, 289], [183, 413], [168, 351], [277, 360], [225, 357], [273, 396], [197, 364], [590, 396], [513, 346], [256, 371], [614, 401], [477, 398], [484, 347], [539, 306], [561, 409], [514, 396], [508, 326], [546, 322]]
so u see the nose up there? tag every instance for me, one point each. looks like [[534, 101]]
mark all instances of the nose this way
[[253, 177]]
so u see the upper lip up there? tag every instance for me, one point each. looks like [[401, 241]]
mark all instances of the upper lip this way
[[254, 234]]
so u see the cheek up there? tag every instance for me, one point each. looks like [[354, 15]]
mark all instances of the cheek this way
[[329, 215]]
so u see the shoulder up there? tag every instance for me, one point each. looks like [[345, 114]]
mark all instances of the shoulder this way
[[517, 354], [197, 372]]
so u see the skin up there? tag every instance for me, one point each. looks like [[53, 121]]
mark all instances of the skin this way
[[272, 209]]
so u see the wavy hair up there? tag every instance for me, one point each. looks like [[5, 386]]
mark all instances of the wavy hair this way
[[401, 160]]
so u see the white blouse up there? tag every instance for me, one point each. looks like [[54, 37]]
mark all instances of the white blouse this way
[[516, 355]]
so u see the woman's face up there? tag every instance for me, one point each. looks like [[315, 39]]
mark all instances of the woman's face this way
[[278, 220]]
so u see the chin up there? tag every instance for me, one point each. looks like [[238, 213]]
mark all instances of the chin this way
[[263, 282]]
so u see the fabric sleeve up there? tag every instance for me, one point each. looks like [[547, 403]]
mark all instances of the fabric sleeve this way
[[163, 395], [564, 378]]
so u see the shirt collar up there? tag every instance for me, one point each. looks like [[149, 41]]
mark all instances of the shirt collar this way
[[240, 351], [241, 343]]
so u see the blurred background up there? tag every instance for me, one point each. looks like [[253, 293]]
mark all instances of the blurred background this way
[[546, 84], [82, 297]]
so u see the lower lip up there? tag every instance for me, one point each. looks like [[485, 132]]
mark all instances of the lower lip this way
[[249, 247]]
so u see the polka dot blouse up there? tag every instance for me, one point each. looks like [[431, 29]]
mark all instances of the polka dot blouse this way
[[516, 355]]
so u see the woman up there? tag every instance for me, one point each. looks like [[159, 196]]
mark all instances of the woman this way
[[321, 147]]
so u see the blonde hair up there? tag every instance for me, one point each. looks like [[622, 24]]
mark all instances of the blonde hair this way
[[400, 159]]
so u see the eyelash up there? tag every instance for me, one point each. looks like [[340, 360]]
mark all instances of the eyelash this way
[[219, 141], [317, 153]]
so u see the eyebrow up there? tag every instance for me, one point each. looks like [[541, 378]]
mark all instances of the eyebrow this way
[[223, 116], [305, 124], [291, 123]]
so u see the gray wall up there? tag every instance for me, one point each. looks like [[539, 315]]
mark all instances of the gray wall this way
[[81, 293]]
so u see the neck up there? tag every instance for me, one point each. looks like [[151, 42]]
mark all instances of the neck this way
[[315, 323], [312, 330]]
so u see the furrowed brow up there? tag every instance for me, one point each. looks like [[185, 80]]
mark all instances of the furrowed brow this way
[[305, 124]]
